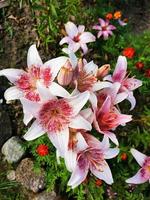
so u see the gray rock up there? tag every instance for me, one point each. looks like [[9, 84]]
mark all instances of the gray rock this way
[[45, 196], [11, 175], [5, 126], [26, 175], [13, 150]]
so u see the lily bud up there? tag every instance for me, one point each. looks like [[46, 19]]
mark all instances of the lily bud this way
[[65, 74], [103, 71]]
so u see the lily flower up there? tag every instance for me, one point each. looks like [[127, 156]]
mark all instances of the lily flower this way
[[25, 82], [106, 119], [93, 158], [55, 116], [143, 174], [127, 84], [76, 37], [104, 28]]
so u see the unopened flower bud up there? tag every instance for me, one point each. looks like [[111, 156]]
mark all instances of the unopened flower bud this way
[[103, 71], [65, 74]]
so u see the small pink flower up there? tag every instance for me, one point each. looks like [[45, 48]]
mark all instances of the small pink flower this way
[[107, 119], [127, 84], [92, 157], [143, 174], [77, 38], [104, 29]]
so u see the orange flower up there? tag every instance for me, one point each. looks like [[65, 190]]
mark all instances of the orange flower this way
[[109, 16], [42, 150], [98, 182], [117, 15], [139, 65], [124, 156], [129, 52]]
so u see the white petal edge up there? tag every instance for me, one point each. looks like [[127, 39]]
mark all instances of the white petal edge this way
[[80, 123], [139, 157], [12, 93], [34, 132]]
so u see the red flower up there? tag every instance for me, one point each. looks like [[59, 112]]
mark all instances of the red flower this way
[[129, 52], [139, 65], [124, 156], [42, 150], [98, 182], [147, 73], [109, 16]]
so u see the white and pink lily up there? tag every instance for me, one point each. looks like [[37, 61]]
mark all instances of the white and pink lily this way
[[25, 82], [92, 157], [55, 116], [143, 174], [104, 28], [77, 38], [107, 119], [127, 84]]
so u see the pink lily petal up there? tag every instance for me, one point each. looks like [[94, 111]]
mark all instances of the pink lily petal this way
[[34, 132], [105, 35], [132, 83], [12, 93], [77, 102], [100, 33], [60, 140], [27, 118], [87, 114], [105, 108], [84, 48], [102, 22], [58, 90], [70, 160], [87, 37], [55, 65], [97, 27], [81, 28], [120, 69], [64, 40], [93, 100], [43, 92], [131, 99], [100, 85], [33, 57], [121, 22], [80, 123], [111, 153], [139, 157], [108, 78], [120, 97], [104, 175], [137, 178], [112, 137], [111, 27], [81, 144], [30, 106], [73, 59], [71, 29], [91, 68], [78, 176], [12, 74], [73, 46]]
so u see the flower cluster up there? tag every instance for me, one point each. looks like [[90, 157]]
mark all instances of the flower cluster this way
[[69, 116]]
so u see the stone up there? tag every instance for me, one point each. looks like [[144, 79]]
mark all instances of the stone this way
[[5, 126], [45, 196], [11, 175], [13, 150], [26, 175]]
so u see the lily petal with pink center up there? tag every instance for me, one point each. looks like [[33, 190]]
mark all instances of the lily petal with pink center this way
[[77, 38], [92, 158], [55, 116], [106, 120], [127, 84], [143, 174]]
